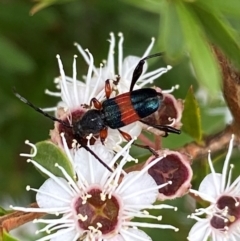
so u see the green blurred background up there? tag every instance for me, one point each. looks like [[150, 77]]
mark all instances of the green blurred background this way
[[28, 48]]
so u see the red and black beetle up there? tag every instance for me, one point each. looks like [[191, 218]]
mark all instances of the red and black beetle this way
[[123, 109], [116, 112]]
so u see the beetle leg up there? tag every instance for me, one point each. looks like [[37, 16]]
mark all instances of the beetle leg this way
[[166, 129], [103, 135], [148, 148], [97, 104], [115, 82], [127, 137], [108, 89], [165, 134], [85, 106]]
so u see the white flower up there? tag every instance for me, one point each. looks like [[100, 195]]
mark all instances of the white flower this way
[[75, 93], [222, 216], [98, 204]]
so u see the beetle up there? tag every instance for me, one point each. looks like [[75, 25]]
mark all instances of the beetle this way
[[126, 108], [115, 113]]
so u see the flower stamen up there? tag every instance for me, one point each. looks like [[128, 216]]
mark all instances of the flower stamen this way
[[34, 150]]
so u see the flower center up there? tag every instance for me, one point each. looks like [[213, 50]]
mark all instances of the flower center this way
[[228, 212], [169, 111], [98, 211], [170, 168]]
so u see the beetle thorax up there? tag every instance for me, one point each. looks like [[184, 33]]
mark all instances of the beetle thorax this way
[[90, 123]]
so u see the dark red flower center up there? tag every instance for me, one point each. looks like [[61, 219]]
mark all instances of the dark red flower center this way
[[98, 213], [170, 168], [229, 213]]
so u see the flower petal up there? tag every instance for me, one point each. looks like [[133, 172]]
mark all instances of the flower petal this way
[[71, 100], [117, 237], [132, 234], [200, 231], [133, 129], [89, 167], [69, 236], [135, 189], [58, 197], [211, 185]]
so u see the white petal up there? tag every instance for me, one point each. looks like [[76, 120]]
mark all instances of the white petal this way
[[114, 136], [71, 101], [234, 188], [97, 86], [129, 64], [58, 194], [209, 187], [117, 237], [233, 236], [133, 234], [106, 74], [132, 189], [89, 167], [69, 236], [62, 104], [221, 237], [134, 129], [199, 231]]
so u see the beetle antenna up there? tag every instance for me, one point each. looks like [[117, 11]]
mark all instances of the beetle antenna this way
[[94, 154], [40, 110], [139, 68]]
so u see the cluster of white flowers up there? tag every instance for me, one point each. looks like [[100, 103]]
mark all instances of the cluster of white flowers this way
[[98, 204]]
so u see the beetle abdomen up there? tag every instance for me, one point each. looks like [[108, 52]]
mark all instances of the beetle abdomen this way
[[129, 107], [145, 101], [112, 114]]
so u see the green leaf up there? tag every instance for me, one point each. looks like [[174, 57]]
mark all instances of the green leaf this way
[[191, 117], [203, 61], [3, 211], [220, 32], [171, 35], [48, 154], [7, 237], [229, 7]]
